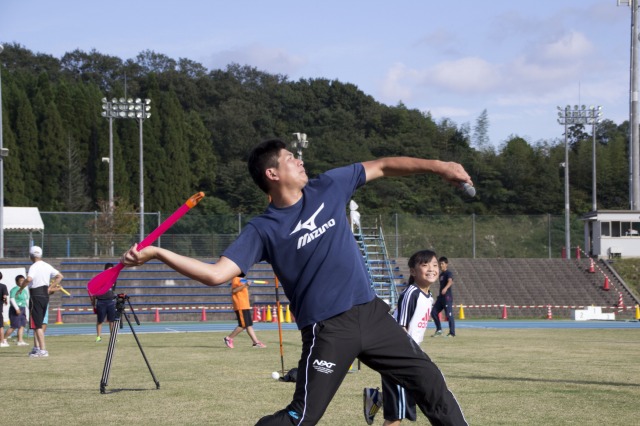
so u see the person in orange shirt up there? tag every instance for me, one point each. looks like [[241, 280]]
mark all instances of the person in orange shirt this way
[[240, 298]]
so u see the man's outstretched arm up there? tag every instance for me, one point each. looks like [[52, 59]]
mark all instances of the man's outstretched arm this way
[[208, 274], [406, 166]]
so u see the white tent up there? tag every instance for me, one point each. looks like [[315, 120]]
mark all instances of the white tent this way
[[22, 219]]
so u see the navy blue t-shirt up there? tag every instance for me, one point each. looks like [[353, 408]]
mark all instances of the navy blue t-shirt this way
[[311, 248], [444, 279]]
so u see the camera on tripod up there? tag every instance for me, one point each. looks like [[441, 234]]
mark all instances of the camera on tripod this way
[[120, 301]]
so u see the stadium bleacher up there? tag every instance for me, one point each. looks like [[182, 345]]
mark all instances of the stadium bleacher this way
[[526, 287]]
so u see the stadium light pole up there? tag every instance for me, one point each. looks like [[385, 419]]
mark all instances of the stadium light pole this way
[[142, 112], [140, 109], [593, 117], [110, 113], [634, 131], [571, 117], [3, 153], [563, 118], [300, 143]]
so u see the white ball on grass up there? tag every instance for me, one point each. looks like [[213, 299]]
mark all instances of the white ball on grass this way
[[275, 375]]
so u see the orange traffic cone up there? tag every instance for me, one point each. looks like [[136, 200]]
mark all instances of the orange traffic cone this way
[[59, 318], [606, 284], [256, 314], [263, 314], [203, 317], [157, 316], [592, 268], [549, 315], [504, 311], [274, 315]]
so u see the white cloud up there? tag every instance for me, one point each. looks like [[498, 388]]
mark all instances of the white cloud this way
[[397, 83], [567, 48], [471, 74]]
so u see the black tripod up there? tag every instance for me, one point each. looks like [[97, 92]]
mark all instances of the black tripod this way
[[120, 306]]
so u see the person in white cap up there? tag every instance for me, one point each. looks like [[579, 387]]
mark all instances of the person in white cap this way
[[41, 275]]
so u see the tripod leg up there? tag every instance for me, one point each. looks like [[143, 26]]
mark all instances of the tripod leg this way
[[142, 351], [110, 350]]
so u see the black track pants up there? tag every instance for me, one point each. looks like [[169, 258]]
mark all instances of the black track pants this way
[[368, 332]]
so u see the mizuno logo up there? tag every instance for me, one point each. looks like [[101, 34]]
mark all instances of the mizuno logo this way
[[310, 223], [314, 231]]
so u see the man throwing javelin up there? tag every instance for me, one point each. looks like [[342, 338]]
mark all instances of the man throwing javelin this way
[[305, 235]]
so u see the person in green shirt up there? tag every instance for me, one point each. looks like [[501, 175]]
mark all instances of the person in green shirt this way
[[18, 311], [3, 301]]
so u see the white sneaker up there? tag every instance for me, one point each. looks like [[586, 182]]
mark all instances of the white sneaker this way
[[4, 344], [372, 403], [34, 350], [39, 354], [22, 343]]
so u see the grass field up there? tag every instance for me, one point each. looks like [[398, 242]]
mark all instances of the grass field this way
[[500, 377]]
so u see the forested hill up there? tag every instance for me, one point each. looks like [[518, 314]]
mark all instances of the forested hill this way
[[204, 122]]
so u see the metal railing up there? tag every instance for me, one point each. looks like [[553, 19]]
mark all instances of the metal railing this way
[[462, 236]]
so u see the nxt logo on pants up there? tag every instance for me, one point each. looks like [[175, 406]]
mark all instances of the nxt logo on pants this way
[[322, 366]]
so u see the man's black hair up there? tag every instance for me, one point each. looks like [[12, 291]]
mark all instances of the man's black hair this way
[[443, 259], [262, 157]]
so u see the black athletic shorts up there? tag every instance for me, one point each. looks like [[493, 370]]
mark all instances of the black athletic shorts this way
[[244, 318], [39, 301], [16, 320], [106, 309]]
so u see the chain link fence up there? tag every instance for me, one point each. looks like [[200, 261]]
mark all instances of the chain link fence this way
[[69, 234]]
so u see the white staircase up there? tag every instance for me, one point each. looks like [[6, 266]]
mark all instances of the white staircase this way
[[374, 251]]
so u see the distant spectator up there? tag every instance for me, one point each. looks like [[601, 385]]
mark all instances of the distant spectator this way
[[42, 279], [242, 308], [45, 323], [4, 295], [444, 300], [104, 307], [18, 311]]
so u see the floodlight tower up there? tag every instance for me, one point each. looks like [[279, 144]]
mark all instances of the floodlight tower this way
[[300, 143], [570, 117], [593, 118], [127, 108], [634, 137], [3, 153]]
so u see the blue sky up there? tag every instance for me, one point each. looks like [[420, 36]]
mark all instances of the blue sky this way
[[518, 60]]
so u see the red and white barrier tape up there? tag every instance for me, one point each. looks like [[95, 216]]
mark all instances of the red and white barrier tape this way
[[541, 306]]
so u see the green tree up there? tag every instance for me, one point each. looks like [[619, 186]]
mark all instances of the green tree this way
[[73, 181], [481, 131]]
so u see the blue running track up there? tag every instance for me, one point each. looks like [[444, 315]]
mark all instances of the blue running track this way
[[195, 327]]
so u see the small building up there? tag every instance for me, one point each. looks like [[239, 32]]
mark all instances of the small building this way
[[612, 233], [25, 220]]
